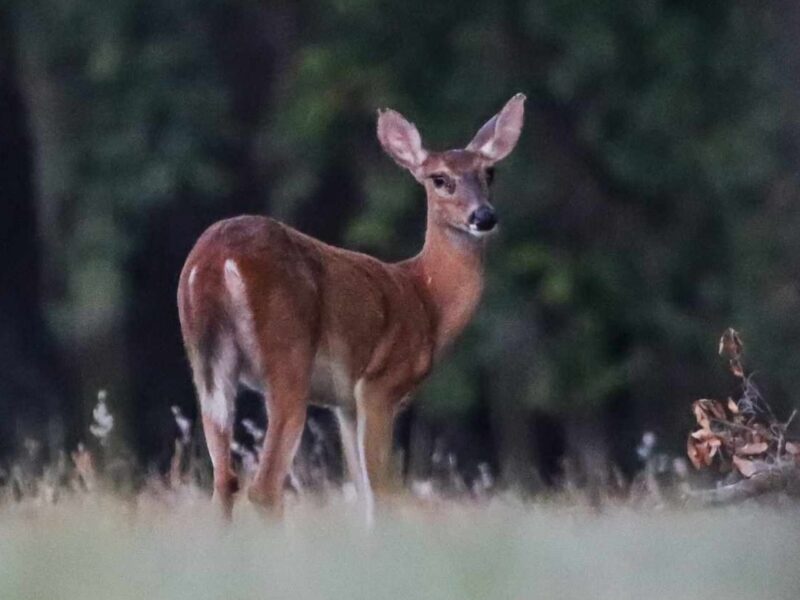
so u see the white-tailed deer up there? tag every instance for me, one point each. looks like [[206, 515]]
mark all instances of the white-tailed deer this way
[[267, 307]]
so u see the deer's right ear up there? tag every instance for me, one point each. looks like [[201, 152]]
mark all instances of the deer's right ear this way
[[497, 138], [401, 140]]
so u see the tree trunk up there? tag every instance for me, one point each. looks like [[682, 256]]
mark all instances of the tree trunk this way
[[32, 386]]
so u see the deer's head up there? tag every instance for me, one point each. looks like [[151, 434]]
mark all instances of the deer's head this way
[[457, 182]]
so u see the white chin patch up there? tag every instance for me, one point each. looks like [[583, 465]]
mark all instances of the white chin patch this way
[[473, 229]]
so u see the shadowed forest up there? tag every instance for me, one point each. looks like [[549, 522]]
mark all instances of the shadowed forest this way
[[651, 203]]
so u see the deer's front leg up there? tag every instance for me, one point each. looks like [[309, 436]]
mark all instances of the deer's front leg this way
[[375, 428]]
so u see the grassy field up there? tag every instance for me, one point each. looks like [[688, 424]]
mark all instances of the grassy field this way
[[101, 548]]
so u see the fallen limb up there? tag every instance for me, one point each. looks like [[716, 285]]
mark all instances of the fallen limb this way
[[773, 479]]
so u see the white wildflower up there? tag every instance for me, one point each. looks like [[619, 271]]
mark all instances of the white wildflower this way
[[184, 425], [103, 420], [646, 446], [248, 457]]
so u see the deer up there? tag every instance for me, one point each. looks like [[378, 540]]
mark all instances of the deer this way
[[264, 306]]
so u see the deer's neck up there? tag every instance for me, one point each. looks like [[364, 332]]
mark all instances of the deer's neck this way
[[450, 271]]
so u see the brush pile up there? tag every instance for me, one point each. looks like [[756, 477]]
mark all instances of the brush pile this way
[[743, 438]]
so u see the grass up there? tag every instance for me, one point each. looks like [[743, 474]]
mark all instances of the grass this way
[[64, 534], [96, 547]]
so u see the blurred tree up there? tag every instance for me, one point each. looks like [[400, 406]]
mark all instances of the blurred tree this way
[[127, 117], [31, 380]]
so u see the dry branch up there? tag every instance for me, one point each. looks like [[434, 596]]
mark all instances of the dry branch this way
[[773, 479]]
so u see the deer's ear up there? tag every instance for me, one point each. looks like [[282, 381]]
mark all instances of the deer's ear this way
[[497, 138], [401, 140]]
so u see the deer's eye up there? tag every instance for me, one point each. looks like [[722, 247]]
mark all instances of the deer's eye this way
[[439, 181], [490, 175]]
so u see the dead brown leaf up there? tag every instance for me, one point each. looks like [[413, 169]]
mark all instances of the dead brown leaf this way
[[705, 409], [701, 416], [691, 452], [717, 410], [695, 453], [701, 447], [703, 435], [746, 467], [753, 448], [713, 448]]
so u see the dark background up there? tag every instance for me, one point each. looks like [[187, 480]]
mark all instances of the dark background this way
[[652, 202]]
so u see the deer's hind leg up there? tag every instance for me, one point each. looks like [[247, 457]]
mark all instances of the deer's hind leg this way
[[279, 335], [226, 484], [286, 350], [215, 381], [286, 402]]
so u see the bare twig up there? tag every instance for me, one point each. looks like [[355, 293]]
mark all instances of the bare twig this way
[[790, 419]]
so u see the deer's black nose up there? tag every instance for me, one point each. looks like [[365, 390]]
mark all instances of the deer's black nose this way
[[483, 218]]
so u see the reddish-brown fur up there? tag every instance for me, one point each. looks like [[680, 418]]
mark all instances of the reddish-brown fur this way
[[263, 303]]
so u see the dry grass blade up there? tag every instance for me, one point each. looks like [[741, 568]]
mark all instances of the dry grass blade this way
[[730, 344], [731, 347]]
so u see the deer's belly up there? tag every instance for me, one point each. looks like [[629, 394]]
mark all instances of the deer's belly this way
[[331, 384]]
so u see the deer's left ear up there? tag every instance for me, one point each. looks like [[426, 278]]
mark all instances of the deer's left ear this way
[[401, 140], [497, 138]]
